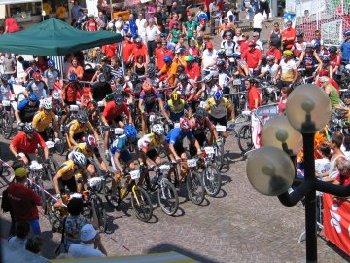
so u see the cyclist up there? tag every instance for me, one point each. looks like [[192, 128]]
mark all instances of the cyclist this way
[[51, 76], [37, 86], [77, 128], [175, 108], [225, 78], [200, 124], [89, 149], [210, 86], [25, 144], [43, 118], [27, 108], [220, 110], [186, 89], [70, 175], [270, 70], [71, 90], [309, 58], [6, 88], [149, 144], [174, 141], [148, 102], [287, 70]]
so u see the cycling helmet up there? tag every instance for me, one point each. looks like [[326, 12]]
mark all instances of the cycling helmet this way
[[147, 85], [73, 76], [175, 96], [346, 33], [130, 132], [189, 58], [28, 128], [119, 99], [33, 97], [183, 77], [180, 69], [79, 159], [82, 117], [50, 63], [185, 124], [134, 77], [221, 53], [218, 95], [47, 104], [102, 78], [220, 62], [228, 34], [158, 129], [300, 33], [200, 113], [167, 59], [90, 141], [332, 49], [316, 45], [163, 35], [270, 57], [208, 78], [36, 75], [325, 58], [55, 95]]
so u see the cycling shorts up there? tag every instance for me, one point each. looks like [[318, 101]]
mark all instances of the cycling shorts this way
[[221, 121]]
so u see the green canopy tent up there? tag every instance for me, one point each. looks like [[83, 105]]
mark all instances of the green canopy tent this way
[[54, 37]]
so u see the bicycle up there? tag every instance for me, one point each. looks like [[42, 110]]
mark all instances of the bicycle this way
[[210, 174], [35, 182], [7, 117]]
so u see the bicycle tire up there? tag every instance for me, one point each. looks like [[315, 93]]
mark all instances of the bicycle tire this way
[[245, 142], [54, 219], [8, 125], [195, 187], [114, 200], [173, 176], [212, 180], [62, 146], [142, 206], [168, 198], [100, 213], [219, 158]]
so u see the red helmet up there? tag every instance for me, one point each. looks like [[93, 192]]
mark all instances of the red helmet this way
[[185, 124], [36, 75]]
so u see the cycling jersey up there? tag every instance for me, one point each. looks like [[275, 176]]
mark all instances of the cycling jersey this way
[[74, 127], [229, 47], [119, 144], [218, 111], [148, 142], [52, 76], [42, 120], [112, 111], [71, 91], [37, 87], [186, 90], [26, 111], [175, 33], [88, 152], [176, 110], [25, 145], [68, 170], [6, 91], [176, 136], [150, 97], [199, 127], [309, 61], [224, 78], [211, 90]]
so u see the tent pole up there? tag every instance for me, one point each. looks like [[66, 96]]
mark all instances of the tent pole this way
[[42, 10]]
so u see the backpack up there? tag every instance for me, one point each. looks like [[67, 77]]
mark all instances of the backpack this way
[[5, 203]]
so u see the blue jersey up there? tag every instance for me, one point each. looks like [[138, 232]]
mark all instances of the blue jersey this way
[[345, 51], [119, 144], [176, 136]]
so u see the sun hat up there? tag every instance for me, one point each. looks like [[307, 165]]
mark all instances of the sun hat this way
[[87, 233]]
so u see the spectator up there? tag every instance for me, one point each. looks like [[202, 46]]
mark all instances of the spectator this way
[[258, 42], [288, 36], [140, 66], [253, 96], [139, 50], [116, 69], [346, 146], [132, 25], [209, 56], [345, 47], [161, 52], [273, 51], [22, 231], [101, 21], [61, 12], [213, 9], [282, 103], [258, 21], [11, 25], [264, 6], [253, 57], [152, 32], [24, 201], [275, 38], [76, 68], [189, 28], [332, 93], [10, 65], [109, 50], [343, 177], [89, 239], [127, 47], [174, 19], [75, 12], [34, 245], [317, 42], [300, 44]]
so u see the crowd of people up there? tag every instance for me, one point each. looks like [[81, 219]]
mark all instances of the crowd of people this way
[[166, 66]]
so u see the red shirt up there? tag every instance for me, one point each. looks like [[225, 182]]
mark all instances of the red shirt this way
[[336, 60], [92, 25], [12, 25], [275, 52], [23, 145], [127, 47], [139, 51], [192, 51], [160, 54], [24, 202], [109, 50], [71, 92], [253, 94], [252, 57], [111, 111], [243, 46], [289, 33], [193, 71], [331, 81]]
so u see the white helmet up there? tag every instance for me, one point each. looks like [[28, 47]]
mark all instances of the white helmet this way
[[158, 129], [47, 104], [56, 95], [79, 159]]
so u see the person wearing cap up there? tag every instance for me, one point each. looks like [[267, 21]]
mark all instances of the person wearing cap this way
[[253, 58], [273, 51], [287, 70], [209, 56], [172, 71], [345, 47], [37, 86], [24, 201], [288, 36], [192, 70], [89, 240], [139, 49]]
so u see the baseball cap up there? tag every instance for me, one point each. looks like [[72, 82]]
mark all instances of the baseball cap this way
[[87, 233], [19, 172], [209, 44]]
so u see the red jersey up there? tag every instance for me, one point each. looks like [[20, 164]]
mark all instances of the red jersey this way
[[253, 94], [111, 111], [22, 143], [160, 54], [192, 51], [109, 50], [24, 202], [139, 51], [252, 57], [71, 92], [193, 71], [275, 52], [336, 60], [127, 47]]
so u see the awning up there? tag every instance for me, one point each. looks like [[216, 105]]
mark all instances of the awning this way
[[11, 2]]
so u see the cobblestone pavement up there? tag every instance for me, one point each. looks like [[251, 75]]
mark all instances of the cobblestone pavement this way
[[240, 225]]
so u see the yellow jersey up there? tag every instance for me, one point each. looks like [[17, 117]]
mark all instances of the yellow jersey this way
[[74, 127], [42, 120], [68, 169], [218, 111], [89, 153]]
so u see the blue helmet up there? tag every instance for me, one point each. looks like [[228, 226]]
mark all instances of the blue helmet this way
[[119, 99], [346, 33], [33, 97], [130, 132], [218, 95], [50, 63], [163, 34], [167, 59], [73, 76]]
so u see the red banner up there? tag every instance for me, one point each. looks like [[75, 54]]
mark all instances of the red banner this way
[[336, 222]]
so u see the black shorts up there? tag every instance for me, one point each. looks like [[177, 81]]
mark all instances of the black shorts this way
[[221, 121], [117, 119], [44, 135], [152, 154], [201, 138], [71, 185], [150, 107], [79, 136], [179, 149]]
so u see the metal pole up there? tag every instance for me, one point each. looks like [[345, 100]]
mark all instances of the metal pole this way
[[310, 198]]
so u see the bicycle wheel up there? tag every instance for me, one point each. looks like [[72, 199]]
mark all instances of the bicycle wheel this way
[[100, 213], [245, 142], [8, 125], [173, 176], [112, 199], [61, 146], [195, 187], [211, 179], [142, 204], [219, 157], [168, 199]]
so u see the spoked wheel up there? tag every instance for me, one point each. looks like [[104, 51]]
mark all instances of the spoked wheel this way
[[245, 142], [211, 179], [113, 199], [7, 125], [195, 187], [100, 213], [142, 204], [173, 176], [219, 158], [168, 199], [61, 146]]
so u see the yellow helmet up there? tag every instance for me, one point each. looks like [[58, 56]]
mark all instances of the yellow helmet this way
[[175, 96]]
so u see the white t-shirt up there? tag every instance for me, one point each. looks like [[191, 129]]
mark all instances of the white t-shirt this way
[[152, 32], [84, 251], [288, 70], [208, 58], [258, 19], [271, 69]]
